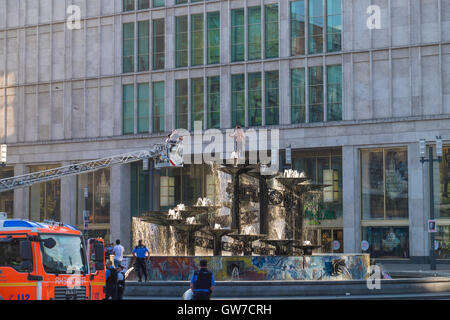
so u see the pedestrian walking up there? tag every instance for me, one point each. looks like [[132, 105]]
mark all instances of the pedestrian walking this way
[[141, 253], [202, 282], [118, 253], [111, 281], [120, 282]]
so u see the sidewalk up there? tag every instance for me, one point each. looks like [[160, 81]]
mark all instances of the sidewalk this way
[[415, 270]]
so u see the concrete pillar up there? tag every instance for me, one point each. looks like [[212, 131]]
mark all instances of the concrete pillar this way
[[418, 205], [21, 196], [68, 198], [351, 199], [120, 215]]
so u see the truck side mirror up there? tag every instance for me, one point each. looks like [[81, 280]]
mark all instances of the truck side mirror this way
[[26, 255], [99, 256]]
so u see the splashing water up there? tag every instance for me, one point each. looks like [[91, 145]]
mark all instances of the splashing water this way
[[279, 226]]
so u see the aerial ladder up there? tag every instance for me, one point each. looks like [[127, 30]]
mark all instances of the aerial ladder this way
[[169, 154]]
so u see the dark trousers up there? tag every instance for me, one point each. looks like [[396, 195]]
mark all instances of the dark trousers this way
[[141, 267], [201, 295], [120, 290], [111, 292]]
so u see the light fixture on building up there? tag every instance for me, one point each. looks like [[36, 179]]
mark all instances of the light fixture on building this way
[[4, 151], [423, 148], [439, 146]]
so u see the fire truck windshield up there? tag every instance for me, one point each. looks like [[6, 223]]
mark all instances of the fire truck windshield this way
[[68, 256]]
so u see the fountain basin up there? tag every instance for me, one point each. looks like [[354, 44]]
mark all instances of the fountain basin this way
[[259, 268]]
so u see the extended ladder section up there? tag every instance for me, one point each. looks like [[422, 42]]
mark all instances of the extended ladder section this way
[[163, 158]]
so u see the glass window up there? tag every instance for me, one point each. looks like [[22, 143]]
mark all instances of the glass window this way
[[384, 174], [143, 4], [254, 33], [98, 184], [298, 28], [254, 99], [272, 98], [143, 46], [197, 39], [181, 1], [237, 35], [181, 103], [271, 30], [45, 198], [441, 189], [143, 108], [128, 5], [387, 242], [10, 254], [334, 89], [158, 107], [442, 238], [214, 102], [213, 37], [140, 190], [238, 100], [316, 94], [181, 26], [167, 191], [315, 26], [334, 25], [197, 101], [128, 48], [158, 44], [298, 97], [158, 3], [7, 198], [128, 109]]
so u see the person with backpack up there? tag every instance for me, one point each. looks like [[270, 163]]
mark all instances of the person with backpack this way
[[202, 282], [120, 282], [111, 281]]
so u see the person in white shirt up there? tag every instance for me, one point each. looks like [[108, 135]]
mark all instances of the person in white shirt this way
[[118, 253]]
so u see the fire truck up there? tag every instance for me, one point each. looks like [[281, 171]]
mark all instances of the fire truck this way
[[51, 260]]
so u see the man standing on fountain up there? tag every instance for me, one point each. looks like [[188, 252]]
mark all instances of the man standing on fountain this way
[[202, 283], [239, 144]]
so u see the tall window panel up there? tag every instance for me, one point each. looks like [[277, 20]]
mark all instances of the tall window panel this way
[[181, 1], [45, 197], [298, 28], [158, 44], [197, 39], [316, 94], [334, 25], [143, 45], [271, 31], [272, 107], [238, 100], [143, 107], [158, 106], [334, 96], [143, 4], [128, 47], [181, 41], [213, 102], [128, 109], [197, 101], [7, 198], [128, 5], [181, 104], [298, 96], [237, 35], [213, 37], [254, 99], [254, 33], [316, 26], [158, 3]]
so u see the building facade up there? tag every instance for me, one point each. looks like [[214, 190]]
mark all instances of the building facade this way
[[351, 98]]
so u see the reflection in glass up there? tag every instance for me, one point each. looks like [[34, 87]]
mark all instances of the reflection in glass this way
[[254, 99], [387, 242], [128, 48], [254, 33], [143, 45], [298, 97], [213, 37], [315, 26], [238, 100], [7, 198], [128, 109], [143, 107], [334, 25], [316, 94], [181, 103], [181, 41], [271, 30], [158, 44], [334, 89], [197, 39], [237, 35], [297, 28], [45, 198], [158, 106], [272, 98], [213, 102]]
